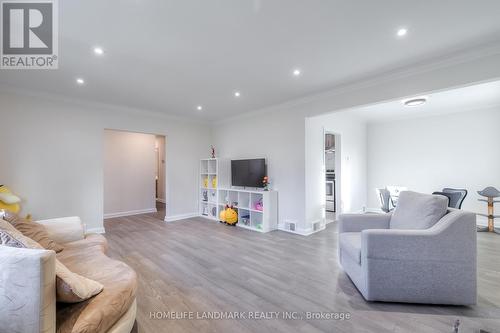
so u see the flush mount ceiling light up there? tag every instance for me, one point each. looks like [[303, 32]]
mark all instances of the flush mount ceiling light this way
[[199, 108], [237, 94], [402, 32], [98, 51], [296, 72], [417, 101], [80, 81]]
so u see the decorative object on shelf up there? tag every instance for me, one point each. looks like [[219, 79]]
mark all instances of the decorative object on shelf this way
[[214, 182], [259, 205], [205, 195], [213, 195], [205, 211], [235, 203], [265, 183], [245, 219], [490, 193], [212, 150], [205, 182], [259, 226], [214, 211]]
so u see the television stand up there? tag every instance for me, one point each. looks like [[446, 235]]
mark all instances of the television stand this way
[[257, 209]]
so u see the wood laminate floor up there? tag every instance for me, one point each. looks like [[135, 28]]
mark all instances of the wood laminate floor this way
[[200, 266]]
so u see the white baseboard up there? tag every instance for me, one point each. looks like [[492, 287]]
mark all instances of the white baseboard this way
[[95, 231], [178, 217], [129, 213]]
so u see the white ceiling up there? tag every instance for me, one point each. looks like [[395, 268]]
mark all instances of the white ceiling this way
[[471, 98], [172, 55]]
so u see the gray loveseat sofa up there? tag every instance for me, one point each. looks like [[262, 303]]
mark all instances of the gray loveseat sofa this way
[[423, 252]]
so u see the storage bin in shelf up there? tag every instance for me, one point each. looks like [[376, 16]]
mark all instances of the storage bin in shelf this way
[[244, 218], [256, 201], [244, 200], [204, 208], [204, 181], [212, 181], [212, 211], [256, 220], [212, 166], [204, 196], [212, 196]]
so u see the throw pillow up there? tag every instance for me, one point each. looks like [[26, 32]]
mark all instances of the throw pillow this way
[[418, 211], [8, 240], [36, 232]]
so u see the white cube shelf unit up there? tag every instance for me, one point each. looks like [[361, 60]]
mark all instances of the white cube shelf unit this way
[[213, 173], [257, 209]]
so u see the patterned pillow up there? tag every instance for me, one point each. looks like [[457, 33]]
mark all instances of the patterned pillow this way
[[8, 240], [33, 230]]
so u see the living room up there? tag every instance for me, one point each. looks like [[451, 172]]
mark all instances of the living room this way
[[243, 94]]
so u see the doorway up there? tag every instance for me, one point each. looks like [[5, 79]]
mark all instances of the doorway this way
[[134, 174], [331, 154]]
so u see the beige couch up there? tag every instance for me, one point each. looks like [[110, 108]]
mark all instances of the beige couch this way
[[28, 293]]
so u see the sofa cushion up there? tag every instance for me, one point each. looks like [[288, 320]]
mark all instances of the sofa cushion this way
[[35, 231], [98, 314], [418, 210], [72, 287], [350, 244]]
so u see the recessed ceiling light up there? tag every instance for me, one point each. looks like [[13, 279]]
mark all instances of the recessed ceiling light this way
[[237, 94], [80, 81], [98, 51], [415, 101], [402, 32], [199, 108], [296, 72]]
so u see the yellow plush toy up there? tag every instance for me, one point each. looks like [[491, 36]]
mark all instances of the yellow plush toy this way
[[228, 216], [222, 216], [231, 216], [8, 201]]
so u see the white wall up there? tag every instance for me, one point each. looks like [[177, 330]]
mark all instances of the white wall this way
[[52, 154], [129, 173], [351, 157], [280, 139], [426, 154]]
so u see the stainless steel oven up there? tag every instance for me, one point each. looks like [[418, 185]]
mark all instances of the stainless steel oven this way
[[330, 193], [330, 190]]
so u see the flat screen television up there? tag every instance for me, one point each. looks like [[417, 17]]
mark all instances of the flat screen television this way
[[248, 173]]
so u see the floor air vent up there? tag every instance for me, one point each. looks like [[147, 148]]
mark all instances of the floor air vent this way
[[290, 226]]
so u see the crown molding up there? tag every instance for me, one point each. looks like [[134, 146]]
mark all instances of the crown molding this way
[[58, 98]]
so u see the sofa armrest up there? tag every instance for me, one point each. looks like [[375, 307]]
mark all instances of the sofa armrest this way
[[64, 229], [360, 222], [453, 238], [27, 290]]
